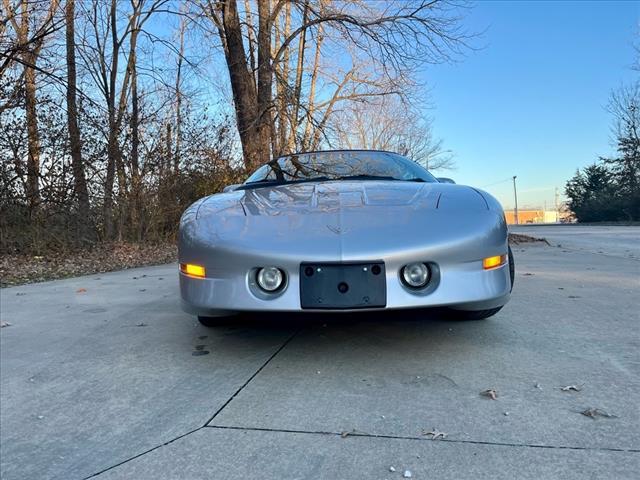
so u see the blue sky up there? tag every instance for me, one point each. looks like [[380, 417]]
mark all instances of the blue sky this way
[[531, 102]]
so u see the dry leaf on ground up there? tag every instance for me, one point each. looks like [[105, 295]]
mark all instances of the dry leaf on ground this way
[[571, 388], [597, 412], [434, 434], [490, 393]]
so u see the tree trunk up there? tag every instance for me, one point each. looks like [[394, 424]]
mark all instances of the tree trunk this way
[[176, 155], [242, 86], [80, 182], [294, 118], [33, 138], [306, 139], [30, 58], [282, 85], [113, 149], [136, 184], [265, 80]]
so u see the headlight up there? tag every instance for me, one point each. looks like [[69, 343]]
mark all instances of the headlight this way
[[415, 275], [270, 279]]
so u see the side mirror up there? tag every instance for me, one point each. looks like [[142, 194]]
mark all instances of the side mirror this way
[[230, 188], [445, 180]]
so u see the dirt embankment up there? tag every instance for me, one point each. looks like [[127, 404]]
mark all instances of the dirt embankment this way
[[16, 269]]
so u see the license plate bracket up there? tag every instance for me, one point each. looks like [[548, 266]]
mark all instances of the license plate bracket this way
[[343, 285]]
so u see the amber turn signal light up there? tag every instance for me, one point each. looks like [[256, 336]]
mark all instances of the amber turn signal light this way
[[493, 262], [192, 270]]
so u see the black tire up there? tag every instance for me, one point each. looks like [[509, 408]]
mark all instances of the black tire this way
[[482, 314], [212, 321], [476, 314], [512, 268]]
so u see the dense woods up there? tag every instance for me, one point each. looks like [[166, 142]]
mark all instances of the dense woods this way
[[116, 114]]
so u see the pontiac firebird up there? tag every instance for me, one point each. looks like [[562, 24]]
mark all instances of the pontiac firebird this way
[[342, 231]]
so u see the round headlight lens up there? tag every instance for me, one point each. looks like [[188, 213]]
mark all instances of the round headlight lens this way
[[270, 279], [415, 275]]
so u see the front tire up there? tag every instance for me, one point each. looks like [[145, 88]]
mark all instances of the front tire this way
[[482, 314], [476, 314], [211, 322]]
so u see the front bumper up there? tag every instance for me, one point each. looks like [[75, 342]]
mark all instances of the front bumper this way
[[464, 286]]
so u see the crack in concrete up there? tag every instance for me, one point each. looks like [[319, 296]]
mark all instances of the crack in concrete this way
[[93, 475], [286, 342], [423, 439]]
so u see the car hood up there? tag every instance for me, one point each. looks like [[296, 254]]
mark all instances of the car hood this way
[[335, 196], [346, 220]]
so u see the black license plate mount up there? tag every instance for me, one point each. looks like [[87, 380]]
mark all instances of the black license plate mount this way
[[343, 285]]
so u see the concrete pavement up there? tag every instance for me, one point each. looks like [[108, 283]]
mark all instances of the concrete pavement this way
[[103, 376], [620, 241]]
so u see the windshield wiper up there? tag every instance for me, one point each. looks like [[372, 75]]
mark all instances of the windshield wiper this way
[[273, 182], [379, 177], [365, 177]]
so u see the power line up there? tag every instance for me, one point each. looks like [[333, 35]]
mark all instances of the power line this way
[[508, 179]]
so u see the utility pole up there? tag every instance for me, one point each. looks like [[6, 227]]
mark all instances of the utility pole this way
[[515, 195], [557, 206]]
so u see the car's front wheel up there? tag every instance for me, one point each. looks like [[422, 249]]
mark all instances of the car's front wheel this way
[[212, 321], [476, 314]]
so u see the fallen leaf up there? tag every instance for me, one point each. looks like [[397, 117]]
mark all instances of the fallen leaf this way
[[569, 388], [346, 434], [141, 324], [5, 324], [81, 290], [407, 474], [597, 412], [491, 393], [392, 469], [527, 274], [538, 386], [435, 434]]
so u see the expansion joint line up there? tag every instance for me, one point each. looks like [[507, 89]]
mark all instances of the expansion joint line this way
[[286, 342], [424, 439]]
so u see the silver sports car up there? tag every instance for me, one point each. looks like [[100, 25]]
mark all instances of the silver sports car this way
[[344, 230]]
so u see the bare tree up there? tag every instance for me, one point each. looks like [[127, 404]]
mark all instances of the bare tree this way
[[75, 144], [102, 57], [397, 37], [388, 123], [26, 51]]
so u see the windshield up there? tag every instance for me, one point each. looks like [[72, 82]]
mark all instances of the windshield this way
[[339, 165]]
